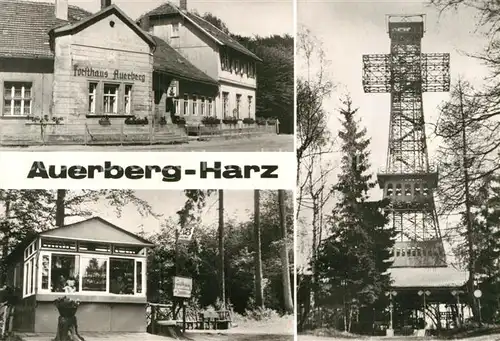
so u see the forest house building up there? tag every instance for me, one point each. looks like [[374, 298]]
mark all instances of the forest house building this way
[[64, 63], [214, 52]]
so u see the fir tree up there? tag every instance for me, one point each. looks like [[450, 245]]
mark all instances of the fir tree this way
[[353, 261], [486, 222]]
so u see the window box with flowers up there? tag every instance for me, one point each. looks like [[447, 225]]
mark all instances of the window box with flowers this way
[[230, 120], [248, 121], [134, 120], [210, 121], [104, 121]]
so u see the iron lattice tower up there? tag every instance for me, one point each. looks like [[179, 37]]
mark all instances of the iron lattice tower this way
[[408, 180]]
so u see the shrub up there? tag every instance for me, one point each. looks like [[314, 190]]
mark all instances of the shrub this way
[[271, 121], [261, 314], [261, 121], [178, 120], [248, 120]]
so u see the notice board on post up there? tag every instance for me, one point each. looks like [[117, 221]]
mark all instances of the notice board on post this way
[[183, 287]]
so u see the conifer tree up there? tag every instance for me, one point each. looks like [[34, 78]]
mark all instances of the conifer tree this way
[[353, 261]]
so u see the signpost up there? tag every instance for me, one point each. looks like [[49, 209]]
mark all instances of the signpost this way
[[183, 286], [460, 308], [391, 294], [424, 294]]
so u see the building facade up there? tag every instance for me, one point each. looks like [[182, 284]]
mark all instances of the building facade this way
[[70, 69], [93, 261], [214, 52]]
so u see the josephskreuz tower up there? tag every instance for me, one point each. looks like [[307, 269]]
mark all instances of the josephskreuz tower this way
[[408, 180]]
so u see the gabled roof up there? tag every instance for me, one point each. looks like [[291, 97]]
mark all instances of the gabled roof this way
[[96, 229], [89, 20], [70, 229], [24, 27], [167, 60], [210, 30]]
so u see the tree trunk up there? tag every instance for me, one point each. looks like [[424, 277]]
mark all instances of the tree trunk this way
[[221, 248], [259, 294], [468, 222], [287, 290], [60, 207]]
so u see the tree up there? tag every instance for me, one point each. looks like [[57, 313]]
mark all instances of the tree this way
[[312, 90], [217, 22], [464, 162], [353, 260], [489, 95], [287, 288], [259, 293], [239, 249], [313, 168], [486, 222]]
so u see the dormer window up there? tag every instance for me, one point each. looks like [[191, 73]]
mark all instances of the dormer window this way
[[175, 30]]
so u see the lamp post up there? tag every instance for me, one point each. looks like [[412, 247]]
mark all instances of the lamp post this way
[[424, 294], [457, 294], [477, 294], [391, 294]]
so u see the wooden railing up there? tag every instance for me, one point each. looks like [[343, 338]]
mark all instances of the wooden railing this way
[[157, 314]]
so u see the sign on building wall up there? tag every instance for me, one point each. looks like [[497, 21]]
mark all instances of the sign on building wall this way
[[183, 287], [173, 89], [116, 75]]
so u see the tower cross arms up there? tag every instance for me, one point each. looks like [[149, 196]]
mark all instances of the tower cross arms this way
[[377, 72]]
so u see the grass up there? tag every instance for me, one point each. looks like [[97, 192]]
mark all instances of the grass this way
[[332, 333]]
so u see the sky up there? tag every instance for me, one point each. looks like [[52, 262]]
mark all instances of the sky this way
[[349, 29], [238, 205], [276, 14]]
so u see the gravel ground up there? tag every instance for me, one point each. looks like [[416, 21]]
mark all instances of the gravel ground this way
[[237, 337], [265, 143], [495, 337]]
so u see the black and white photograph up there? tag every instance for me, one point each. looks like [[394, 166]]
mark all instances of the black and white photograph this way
[[398, 149], [146, 265], [128, 75]]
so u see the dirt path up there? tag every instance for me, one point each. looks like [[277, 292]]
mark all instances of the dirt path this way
[[495, 337]]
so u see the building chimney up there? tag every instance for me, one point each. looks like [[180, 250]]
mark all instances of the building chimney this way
[[183, 5], [62, 9], [105, 3]]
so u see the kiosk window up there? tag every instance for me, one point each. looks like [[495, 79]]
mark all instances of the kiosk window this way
[[94, 275]]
